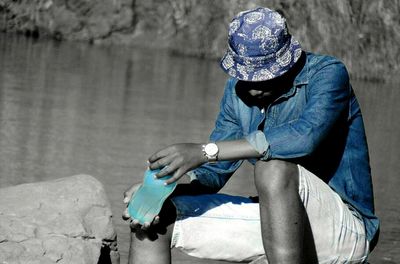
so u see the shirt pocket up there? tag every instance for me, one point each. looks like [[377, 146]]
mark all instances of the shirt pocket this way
[[288, 111]]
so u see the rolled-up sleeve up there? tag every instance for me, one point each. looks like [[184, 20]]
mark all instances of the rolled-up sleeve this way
[[259, 142], [227, 127]]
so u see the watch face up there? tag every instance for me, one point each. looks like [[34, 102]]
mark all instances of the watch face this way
[[211, 149]]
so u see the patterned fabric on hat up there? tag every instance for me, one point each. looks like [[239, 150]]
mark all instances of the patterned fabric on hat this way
[[260, 46]]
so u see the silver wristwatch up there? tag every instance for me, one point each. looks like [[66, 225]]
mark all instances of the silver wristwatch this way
[[210, 150]]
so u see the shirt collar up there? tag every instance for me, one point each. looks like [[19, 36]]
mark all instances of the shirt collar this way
[[302, 77]]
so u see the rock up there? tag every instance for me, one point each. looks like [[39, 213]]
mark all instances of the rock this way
[[362, 33], [67, 220]]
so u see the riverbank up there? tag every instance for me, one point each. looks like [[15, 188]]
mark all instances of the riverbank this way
[[363, 33]]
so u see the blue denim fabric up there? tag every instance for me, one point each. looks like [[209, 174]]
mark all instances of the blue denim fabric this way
[[316, 124]]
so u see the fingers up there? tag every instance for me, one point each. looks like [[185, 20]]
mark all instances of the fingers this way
[[168, 170], [126, 198], [156, 220], [161, 163], [160, 154], [135, 224], [125, 215], [146, 226], [128, 193], [177, 175]]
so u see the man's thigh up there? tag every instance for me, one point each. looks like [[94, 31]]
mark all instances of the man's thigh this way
[[225, 227], [338, 230], [217, 226]]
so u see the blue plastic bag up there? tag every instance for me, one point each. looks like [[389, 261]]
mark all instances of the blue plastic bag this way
[[147, 201]]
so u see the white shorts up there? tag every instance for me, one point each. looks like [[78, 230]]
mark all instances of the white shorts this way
[[225, 227]]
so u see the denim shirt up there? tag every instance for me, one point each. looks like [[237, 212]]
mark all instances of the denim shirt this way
[[316, 124]]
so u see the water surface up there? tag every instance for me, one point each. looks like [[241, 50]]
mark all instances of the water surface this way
[[72, 108]]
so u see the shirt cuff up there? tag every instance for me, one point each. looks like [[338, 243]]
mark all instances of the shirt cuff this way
[[259, 142]]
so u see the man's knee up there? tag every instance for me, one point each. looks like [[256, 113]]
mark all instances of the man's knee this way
[[275, 176], [164, 225]]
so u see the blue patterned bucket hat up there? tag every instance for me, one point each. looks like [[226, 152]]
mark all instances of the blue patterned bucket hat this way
[[260, 47]]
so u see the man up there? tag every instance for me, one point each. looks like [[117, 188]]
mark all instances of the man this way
[[295, 117]]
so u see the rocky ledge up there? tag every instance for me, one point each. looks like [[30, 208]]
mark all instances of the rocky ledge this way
[[67, 220]]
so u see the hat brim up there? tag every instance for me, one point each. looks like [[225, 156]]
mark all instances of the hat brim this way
[[263, 68]]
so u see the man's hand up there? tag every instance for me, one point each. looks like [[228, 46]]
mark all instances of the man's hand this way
[[134, 223], [177, 159]]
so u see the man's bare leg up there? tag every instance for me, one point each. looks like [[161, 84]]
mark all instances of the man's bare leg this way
[[283, 217], [150, 248]]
